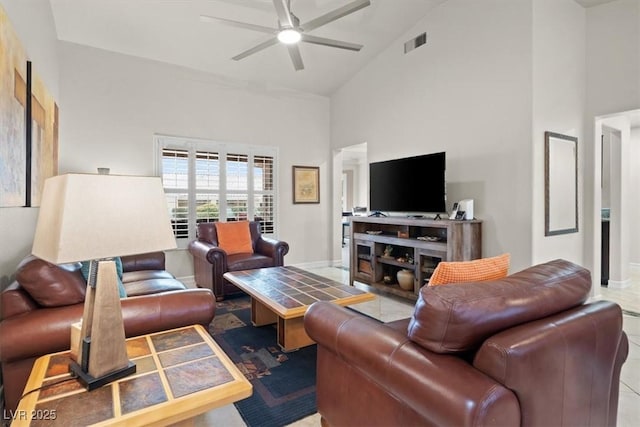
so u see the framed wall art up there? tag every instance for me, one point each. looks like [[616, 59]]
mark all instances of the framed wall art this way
[[560, 184], [28, 125], [13, 104], [306, 184]]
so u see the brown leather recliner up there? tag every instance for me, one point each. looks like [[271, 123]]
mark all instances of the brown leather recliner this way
[[39, 307], [210, 262], [521, 351]]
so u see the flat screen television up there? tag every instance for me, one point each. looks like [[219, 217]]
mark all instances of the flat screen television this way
[[411, 185]]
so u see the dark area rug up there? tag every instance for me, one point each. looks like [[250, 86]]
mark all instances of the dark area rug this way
[[284, 384]]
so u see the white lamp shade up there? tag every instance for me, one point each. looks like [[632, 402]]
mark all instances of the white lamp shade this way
[[84, 217]]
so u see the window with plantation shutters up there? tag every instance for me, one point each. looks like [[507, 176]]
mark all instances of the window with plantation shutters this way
[[205, 181]]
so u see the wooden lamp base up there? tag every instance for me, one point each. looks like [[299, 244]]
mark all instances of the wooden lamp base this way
[[102, 351], [91, 383]]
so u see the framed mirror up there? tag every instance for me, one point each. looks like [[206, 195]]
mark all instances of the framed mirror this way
[[560, 184]]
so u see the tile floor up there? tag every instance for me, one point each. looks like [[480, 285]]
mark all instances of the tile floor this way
[[388, 309]]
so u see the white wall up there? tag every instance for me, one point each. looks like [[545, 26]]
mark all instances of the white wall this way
[[559, 84], [112, 105], [613, 85], [33, 23], [466, 92]]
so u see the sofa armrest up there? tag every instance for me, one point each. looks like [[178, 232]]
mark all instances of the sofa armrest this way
[[47, 330], [14, 301], [272, 248], [208, 252], [148, 261], [441, 389]]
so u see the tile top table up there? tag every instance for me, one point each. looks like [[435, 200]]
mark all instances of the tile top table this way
[[180, 373], [282, 295]]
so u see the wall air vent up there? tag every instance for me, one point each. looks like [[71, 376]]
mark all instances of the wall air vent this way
[[415, 43]]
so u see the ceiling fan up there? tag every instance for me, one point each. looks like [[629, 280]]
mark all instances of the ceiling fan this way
[[290, 31]]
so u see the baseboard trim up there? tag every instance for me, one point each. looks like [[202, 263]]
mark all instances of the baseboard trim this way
[[313, 264], [634, 266], [619, 284]]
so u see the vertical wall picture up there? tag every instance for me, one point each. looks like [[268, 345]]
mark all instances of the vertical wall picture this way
[[13, 97], [44, 137], [28, 125]]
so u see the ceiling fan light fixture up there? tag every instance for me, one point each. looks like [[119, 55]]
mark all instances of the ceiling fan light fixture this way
[[289, 36]]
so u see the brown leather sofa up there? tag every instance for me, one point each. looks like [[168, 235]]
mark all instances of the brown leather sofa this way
[[210, 262], [39, 307], [521, 351]]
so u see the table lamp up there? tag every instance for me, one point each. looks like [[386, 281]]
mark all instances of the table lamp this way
[[97, 217]]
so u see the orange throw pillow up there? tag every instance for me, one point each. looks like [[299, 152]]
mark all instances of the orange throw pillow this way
[[234, 237], [471, 271]]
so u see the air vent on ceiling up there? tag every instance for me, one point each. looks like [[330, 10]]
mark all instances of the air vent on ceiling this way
[[415, 42]]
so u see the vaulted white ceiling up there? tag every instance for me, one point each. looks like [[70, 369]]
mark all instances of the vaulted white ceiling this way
[[171, 31]]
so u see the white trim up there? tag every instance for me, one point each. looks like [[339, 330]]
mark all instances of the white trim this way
[[619, 284], [313, 264], [634, 267], [337, 263]]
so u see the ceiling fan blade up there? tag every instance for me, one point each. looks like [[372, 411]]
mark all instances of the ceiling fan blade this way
[[294, 53], [255, 49], [284, 14], [246, 26], [330, 42], [334, 14]]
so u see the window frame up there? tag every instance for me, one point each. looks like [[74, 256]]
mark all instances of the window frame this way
[[223, 149]]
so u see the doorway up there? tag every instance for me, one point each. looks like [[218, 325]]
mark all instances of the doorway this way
[[351, 192], [616, 207]]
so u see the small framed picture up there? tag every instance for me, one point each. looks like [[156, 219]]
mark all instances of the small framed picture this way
[[306, 184], [460, 214]]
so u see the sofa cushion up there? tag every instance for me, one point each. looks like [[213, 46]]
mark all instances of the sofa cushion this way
[[248, 262], [477, 270], [153, 286], [454, 319], [135, 276], [234, 237], [51, 285]]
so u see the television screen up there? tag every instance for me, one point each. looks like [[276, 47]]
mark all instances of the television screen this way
[[411, 184]]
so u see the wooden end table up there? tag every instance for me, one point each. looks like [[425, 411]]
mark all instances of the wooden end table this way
[[181, 373], [282, 295]]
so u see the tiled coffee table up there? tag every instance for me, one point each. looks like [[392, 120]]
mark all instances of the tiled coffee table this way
[[180, 373], [282, 295]]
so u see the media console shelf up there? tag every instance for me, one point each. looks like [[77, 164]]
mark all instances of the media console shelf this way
[[414, 244]]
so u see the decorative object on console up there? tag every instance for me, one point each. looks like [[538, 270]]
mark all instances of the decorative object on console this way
[[96, 217], [466, 207], [359, 211], [388, 250], [478, 270], [306, 184], [405, 279]]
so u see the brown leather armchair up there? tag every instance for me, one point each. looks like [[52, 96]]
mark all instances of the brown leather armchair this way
[[521, 351], [210, 262], [39, 307]]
